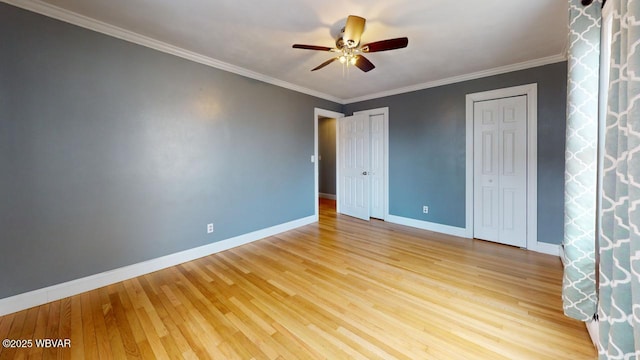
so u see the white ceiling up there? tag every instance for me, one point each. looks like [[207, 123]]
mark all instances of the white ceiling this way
[[447, 39]]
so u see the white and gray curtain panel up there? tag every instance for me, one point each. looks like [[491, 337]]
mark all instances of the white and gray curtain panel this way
[[619, 290], [581, 161], [617, 297]]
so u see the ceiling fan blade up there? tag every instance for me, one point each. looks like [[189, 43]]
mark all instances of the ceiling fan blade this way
[[324, 64], [312, 47], [353, 30], [385, 45], [364, 64]]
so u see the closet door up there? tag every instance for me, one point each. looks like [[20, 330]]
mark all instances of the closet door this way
[[500, 170]]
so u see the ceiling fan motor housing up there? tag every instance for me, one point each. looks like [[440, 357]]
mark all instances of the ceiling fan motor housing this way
[[353, 30]]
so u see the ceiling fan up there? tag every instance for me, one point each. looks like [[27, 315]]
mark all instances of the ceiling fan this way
[[349, 48]]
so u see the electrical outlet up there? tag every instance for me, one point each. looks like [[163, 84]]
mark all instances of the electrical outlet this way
[[209, 228], [425, 209]]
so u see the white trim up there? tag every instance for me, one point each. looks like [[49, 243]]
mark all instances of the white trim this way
[[469, 169], [384, 111], [338, 208], [546, 248], [328, 196], [86, 22], [465, 77], [56, 292], [425, 225], [531, 91], [594, 332], [317, 112]]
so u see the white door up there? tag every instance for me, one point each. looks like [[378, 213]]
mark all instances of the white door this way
[[354, 161], [500, 170], [376, 174]]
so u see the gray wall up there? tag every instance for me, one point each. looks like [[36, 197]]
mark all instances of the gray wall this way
[[427, 147], [112, 153], [327, 150]]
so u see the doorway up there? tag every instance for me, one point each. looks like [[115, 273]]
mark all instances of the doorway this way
[[323, 137], [362, 164], [377, 173], [327, 157], [501, 166]]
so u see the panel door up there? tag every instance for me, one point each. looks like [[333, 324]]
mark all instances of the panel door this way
[[486, 199], [500, 170], [376, 174], [354, 160]]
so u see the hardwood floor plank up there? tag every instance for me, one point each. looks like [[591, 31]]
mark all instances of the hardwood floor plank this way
[[252, 314], [154, 341], [254, 336], [89, 342], [113, 332], [341, 288], [5, 326], [127, 337], [14, 333], [75, 332], [102, 337], [53, 329], [64, 328], [39, 331], [28, 328], [167, 326]]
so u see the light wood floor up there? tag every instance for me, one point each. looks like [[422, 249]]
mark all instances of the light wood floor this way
[[339, 289]]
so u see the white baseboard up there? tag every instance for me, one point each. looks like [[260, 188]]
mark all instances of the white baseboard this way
[[425, 225], [563, 256], [328, 196], [594, 332], [546, 248], [56, 292]]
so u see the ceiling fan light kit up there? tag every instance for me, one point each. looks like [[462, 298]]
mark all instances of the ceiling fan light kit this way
[[349, 49]]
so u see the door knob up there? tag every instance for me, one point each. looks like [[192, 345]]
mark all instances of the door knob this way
[[365, 173]]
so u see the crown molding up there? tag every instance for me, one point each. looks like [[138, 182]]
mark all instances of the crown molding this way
[[86, 22], [70, 17], [460, 78]]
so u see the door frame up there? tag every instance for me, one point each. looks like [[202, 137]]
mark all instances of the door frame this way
[[317, 112], [385, 112], [531, 91]]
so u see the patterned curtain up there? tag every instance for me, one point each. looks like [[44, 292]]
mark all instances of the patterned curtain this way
[[581, 160], [619, 298]]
